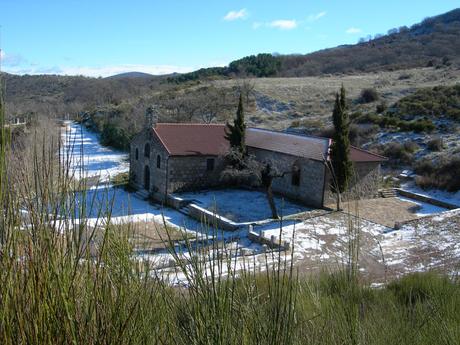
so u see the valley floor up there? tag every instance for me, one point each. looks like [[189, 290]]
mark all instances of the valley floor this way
[[320, 239]]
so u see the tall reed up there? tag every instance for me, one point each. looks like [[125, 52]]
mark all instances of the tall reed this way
[[68, 280]]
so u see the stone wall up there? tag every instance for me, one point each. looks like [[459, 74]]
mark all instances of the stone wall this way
[[311, 180], [190, 173], [364, 184], [137, 166], [211, 219]]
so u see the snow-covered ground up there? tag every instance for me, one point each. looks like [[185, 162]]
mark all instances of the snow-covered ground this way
[[430, 242], [241, 205], [87, 158], [82, 145], [451, 198], [423, 208], [318, 239]]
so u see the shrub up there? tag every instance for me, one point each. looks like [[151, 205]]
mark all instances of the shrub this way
[[369, 95], [436, 101], [397, 153], [419, 126], [435, 144], [381, 107], [442, 174], [115, 136], [411, 146], [390, 120], [404, 76], [295, 123]]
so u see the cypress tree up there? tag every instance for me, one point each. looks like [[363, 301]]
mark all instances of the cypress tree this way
[[235, 133], [340, 150]]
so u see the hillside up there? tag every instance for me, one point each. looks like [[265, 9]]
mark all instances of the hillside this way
[[131, 75], [433, 42], [393, 67], [53, 95]]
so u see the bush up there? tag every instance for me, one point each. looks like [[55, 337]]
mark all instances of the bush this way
[[411, 147], [369, 95], [115, 136], [442, 174], [390, 120], [435, 144], [404, 76], [397, 153], [419, 126], [381, 107], [436, 101]]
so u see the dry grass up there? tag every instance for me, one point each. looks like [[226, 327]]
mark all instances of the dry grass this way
[[384, 211], [153, 235], [312, 97]]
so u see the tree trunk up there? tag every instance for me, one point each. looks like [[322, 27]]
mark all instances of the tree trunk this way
[[339, 204], [271, 202]]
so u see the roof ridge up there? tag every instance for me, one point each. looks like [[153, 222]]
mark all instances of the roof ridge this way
[[161, 140], [369, 152], [291, 134], [189, 124]]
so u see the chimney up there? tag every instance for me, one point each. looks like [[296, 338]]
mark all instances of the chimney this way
[[151, 117]]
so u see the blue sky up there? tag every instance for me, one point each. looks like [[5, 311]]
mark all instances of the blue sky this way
[[100, 38]]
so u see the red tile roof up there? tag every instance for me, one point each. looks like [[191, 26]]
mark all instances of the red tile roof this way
[[360, 155], [187, 139], [291, 144]]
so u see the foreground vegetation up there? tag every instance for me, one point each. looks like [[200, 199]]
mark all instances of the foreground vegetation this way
[[64, 281]]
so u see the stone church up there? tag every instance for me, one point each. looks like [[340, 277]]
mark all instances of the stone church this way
[[168, 158]]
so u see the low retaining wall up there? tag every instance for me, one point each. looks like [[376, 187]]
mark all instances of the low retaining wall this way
[[175, 202], [426, 199], [211, 218], [455, 212], [271, 242]]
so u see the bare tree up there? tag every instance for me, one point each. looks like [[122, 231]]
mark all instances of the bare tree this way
[[246, 170], [246, 88]]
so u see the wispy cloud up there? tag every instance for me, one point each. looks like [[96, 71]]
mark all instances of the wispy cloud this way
[[283, 24], [234, 15], [99, 71], [257, 25], [353, 30], [315, 17], [11, 59]]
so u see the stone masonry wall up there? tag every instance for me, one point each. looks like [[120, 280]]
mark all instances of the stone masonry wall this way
[[364, 184], [190, 173], [137, 166], [310, 188]]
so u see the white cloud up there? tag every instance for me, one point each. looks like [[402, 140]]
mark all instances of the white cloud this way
[[315, 17], [283, 24], [103, 71], [11, 60], [257, 25], [353, 30], [234, 15]]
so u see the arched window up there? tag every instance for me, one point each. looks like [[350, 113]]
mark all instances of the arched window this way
[[295, 177], [137, 153], [210, 164], [147, 177], [158, 161], [147, 150]]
